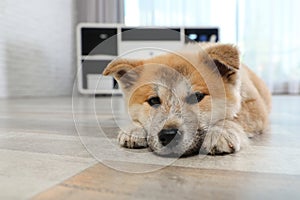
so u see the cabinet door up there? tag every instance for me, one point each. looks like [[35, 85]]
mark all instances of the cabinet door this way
[[99, 41], [201, 35], [150, 34], [92, 67]]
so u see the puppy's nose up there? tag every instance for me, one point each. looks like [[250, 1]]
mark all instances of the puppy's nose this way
[[165, 136]]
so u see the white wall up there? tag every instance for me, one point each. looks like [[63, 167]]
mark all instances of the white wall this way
[[36, 47]]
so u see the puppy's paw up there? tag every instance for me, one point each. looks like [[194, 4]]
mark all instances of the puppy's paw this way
[[133, 138], [224, 138]]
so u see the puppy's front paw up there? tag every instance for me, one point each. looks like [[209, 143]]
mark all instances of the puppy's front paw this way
[[133, 138], [223, 138]]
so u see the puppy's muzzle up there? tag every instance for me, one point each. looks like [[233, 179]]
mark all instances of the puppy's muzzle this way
[[165, 136]]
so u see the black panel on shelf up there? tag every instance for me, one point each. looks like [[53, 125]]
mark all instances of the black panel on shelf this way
[[150, 34], [92, 37], [201, 34]]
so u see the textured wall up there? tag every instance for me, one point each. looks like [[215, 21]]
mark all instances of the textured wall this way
[[37, 47]]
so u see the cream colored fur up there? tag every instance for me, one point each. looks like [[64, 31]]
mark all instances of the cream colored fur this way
[[235, 107]]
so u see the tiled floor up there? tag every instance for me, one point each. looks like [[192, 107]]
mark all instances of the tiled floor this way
[[63, 148]]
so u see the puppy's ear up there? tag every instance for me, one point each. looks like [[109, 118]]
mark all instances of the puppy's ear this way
[[227, 59], [126, 72]]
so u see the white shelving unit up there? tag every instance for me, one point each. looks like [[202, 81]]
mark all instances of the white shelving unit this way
[[99, 44]]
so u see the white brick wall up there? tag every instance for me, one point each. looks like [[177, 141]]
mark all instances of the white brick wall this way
[[37, 47]]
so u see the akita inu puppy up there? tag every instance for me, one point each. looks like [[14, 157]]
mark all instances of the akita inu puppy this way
[[202, 99]]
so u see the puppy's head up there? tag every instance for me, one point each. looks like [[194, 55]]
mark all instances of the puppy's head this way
[[176, 97]]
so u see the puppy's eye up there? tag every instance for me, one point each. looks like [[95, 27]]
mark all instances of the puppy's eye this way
[[195, 98], [154, 101]]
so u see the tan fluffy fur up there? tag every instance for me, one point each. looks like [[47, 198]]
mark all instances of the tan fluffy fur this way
[[236, 105]]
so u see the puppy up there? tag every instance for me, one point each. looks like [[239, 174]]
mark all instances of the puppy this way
[[202, 99]]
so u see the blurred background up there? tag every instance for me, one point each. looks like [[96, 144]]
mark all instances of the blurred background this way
[[38, 37], [53, 146]]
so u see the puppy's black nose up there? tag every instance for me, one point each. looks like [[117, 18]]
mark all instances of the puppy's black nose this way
[[165, 136]]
